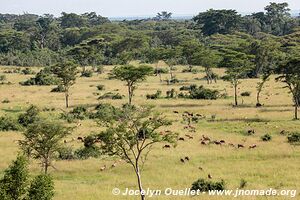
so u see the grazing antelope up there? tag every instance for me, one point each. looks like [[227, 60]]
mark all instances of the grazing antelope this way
[[240, 146], [189, 136], [252, 146], [166, 146], [181, 160], [114, 165], [209, 176], [181, 138], [103, 168], [187, 158]]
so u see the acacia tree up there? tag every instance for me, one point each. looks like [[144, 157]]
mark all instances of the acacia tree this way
[[267, 57], [290, 75], [42, 140], [132, 76], [237, 71], [66, 71], [132, 134]]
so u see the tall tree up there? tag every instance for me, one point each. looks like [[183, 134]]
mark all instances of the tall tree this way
[[290, 75], [132, 76], [218, 21], [131, 136], [66, 71]]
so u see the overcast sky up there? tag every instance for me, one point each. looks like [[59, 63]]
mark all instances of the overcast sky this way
[[114, 8]]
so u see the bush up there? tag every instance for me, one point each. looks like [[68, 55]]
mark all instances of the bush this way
[[27, 71], [44, 77], [100, 87], [88, 152], [245, 94], [41, 188], [59, 88], [87, 73], [266, 137], [6, 101], [199, 93], [111, 95], [30, 116], [9, 124], [2, 77], [79, 112], [154, 96], [205, 185], [294, 138], [99, 69], [15, 181], [106, 112], [66, 153]]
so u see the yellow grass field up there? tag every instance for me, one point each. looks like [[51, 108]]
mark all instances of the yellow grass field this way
[[274, 164]]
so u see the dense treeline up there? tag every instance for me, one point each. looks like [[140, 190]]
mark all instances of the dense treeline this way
[[212, 38]]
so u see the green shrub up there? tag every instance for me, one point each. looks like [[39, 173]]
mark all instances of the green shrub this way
[[294, 138], [9, 124], [2, 77], [59, 88], [15, 180], [154, 96], [245, 94], [106, 112], [27, 71], [88, 152], [78, 113], [111, 95], [266, 137], [200, 92], [66, 153], [99, 69], [41, 188], [44, 77], [30, 116], [87, 73], [100, 87], [6, 101], [205, 185]]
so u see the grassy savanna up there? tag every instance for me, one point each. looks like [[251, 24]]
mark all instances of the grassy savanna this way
[[273, 164]]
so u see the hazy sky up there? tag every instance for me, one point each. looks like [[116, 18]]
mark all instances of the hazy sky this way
[[110, 8]]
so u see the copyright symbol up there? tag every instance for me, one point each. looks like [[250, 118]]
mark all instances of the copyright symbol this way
[[116, 191]]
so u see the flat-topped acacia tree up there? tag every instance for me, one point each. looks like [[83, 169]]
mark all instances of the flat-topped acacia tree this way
[[66, 71], [131, 133], [131, 75]]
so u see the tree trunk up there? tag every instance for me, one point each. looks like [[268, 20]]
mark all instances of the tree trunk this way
[[235, 95], [67, 99], [129, 95], [140, 182], [296, 112]]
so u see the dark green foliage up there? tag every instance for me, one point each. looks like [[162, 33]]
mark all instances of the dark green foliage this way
[[245, 94], [9, 124], [200, 92], [111, 95], [78, 113], [294, 138], [266, 137], [41, 188], [87, 73], [106, 113], [42, 140], [15, 181], [44, 77], [206, 185], [30, 116], [2, 77], [101, 87], [154, 96], [66, 153], [88, 152], [59, 88], [27, 71]]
